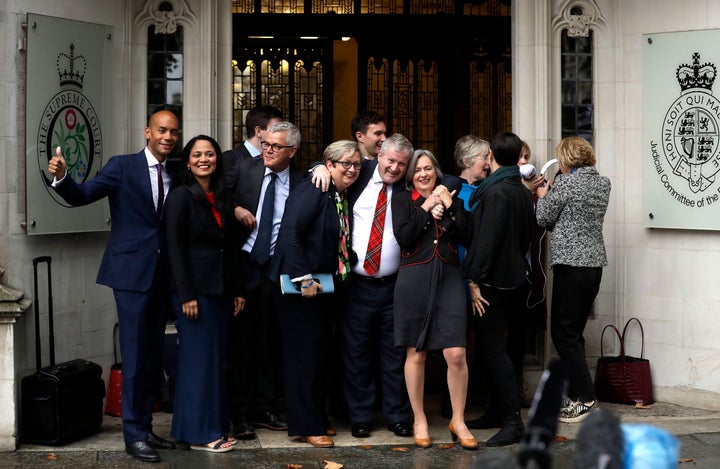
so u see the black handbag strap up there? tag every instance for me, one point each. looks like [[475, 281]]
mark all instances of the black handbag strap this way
[[642, 335], [620, 339]]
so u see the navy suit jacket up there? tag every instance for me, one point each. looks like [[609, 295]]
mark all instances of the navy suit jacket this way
[[309, 234], [137, 243]]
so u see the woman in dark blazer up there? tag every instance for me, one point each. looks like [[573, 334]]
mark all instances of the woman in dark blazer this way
[[313, 232], [429, 303], [206, 292]]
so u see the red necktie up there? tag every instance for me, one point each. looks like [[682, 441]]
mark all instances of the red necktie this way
[[374, 247]]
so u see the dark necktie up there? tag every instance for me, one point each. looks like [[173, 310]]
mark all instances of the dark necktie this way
[[374, 247], [161, 189], [261, 249]]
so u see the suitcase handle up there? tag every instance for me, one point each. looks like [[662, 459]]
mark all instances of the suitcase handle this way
[[48, 261]]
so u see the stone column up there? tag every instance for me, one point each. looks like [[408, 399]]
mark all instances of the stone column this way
[[12, 305]]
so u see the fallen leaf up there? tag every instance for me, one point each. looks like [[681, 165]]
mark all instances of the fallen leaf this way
[[560, 438], [401, 448], [333, 465], [294, 466], [642, 406], [366, 446], [51, 456], [682, 460], [446, 445]]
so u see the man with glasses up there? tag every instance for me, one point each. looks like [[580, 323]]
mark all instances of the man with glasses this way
[[254, 362]]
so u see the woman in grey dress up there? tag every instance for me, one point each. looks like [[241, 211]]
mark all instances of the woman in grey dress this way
[[430, 312]]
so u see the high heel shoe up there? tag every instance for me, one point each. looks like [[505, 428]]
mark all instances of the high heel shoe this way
[[467, 443], [421, 442]]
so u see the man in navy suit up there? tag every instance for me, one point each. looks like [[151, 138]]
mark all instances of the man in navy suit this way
[[255, 357], [135, 266]]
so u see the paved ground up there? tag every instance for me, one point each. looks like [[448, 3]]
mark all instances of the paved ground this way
[[697, 430]]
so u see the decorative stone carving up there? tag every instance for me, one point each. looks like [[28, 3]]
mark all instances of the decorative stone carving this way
[[165, 15], [165, 22], [12, 302], [578, 16]]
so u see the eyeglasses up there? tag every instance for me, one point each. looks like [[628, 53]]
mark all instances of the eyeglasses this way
[[347, 164], [274, 146]]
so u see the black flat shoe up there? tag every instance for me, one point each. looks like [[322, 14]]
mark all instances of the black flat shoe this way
[[156, 442], [360, 430], [271, 421], [141, 451], [401, 429]]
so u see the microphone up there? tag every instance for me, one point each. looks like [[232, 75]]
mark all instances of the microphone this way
[[527, 171], [535, 451], [600, 442]]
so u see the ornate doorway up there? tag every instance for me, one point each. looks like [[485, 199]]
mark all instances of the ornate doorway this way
[[432, 87]]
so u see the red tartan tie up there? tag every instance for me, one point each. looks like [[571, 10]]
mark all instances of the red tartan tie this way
[[374, 247]]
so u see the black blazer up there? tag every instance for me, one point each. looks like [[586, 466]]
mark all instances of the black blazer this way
[[230, 159], [501, 231], [309, 234], [248, 184], [420, 238], [203, 257]]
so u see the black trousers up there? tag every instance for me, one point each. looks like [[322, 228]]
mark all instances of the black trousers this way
[[574, 290], [491, 342], [255, 359]]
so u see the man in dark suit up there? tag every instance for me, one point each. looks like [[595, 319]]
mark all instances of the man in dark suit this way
[[255, 359], [135, 266], [257, 122], [366, 325]]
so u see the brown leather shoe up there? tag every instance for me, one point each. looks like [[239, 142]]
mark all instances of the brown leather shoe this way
[[322, 441]]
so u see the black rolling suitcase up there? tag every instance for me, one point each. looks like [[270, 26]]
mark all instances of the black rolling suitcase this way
[[64, 402]]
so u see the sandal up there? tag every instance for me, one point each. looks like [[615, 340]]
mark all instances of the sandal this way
[[222, 446], [232, 440]]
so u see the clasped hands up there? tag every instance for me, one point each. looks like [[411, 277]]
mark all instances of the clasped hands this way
[[439, 200]]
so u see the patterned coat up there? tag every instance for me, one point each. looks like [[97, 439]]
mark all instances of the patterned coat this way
[[574, 211]]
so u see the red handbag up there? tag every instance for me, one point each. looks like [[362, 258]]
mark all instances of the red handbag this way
[[624, 379]]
